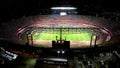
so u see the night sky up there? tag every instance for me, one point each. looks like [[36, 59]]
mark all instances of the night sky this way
[[18, 8]]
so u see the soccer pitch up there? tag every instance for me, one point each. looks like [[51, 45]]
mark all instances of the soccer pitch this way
[[81, 35]]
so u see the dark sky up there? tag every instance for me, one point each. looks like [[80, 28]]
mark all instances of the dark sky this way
[[18, 8]]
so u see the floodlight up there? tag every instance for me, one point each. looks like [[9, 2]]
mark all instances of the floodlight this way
[[63, 13], [63, 8]]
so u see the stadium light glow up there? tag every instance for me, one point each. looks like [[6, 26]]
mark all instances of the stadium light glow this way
[[63, 8], [63, 13]]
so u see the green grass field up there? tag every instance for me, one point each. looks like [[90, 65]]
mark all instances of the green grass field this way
[[81, 35]]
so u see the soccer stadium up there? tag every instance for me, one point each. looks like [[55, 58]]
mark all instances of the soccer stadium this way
[[59, 34], [79, 33]]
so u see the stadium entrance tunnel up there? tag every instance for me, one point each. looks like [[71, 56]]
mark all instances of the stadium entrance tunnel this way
[[78, 36]]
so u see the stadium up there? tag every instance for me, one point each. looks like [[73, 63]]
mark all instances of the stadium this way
[[80, 33], [76, 35]]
